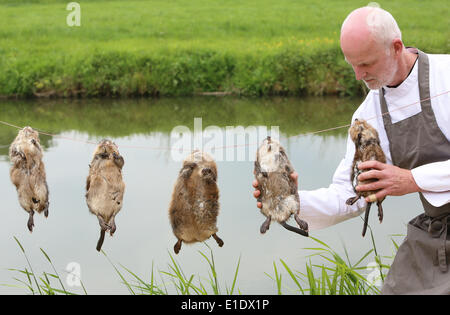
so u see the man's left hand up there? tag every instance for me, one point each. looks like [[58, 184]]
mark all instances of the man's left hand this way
[[392, 180]]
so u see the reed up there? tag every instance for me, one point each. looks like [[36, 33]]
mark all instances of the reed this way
[[336, 275], [333, 276], [39, 284], [175, 281]]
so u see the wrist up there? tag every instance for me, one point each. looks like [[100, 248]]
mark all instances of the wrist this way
[[413, 184]]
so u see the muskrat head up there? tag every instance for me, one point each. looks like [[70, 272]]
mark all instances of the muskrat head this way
[[269, 155], [106, 149], [201, 165], [30, 135], [362, 133], [208, 171]]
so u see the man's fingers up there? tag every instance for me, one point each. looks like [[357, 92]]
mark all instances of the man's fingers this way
[[294, 176], [372, 186], [370, 174], [378, 196], [371, 164], [256, 193]]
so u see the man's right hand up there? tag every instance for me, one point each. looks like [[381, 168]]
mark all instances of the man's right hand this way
[[257, 192]]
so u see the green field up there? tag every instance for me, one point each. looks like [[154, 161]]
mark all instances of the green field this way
[[178, 47]]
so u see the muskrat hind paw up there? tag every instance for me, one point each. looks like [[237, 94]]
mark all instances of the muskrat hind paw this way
[[301, 223], [380, 212], [218, 240], [351, 201], [265, 226], [177, 247]]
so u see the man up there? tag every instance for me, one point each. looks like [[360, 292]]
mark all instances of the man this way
[[415, 139]]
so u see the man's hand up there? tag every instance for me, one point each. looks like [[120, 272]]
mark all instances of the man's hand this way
[[392, 180], [256, 193]]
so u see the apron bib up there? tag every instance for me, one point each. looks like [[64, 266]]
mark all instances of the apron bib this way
[[421, 263]]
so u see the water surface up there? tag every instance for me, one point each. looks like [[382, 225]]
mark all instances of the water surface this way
[[141, 128]]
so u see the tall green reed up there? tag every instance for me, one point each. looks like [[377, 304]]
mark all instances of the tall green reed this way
[[176, 278], [39, 284], [335, 276]]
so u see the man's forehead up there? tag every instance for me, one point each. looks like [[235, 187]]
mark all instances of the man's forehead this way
[[360, 51], [361, 59]]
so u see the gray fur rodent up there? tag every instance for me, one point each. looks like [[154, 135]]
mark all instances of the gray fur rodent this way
[[367, 148], [27, 173], [105, 187], [279, 194], [194, 206]]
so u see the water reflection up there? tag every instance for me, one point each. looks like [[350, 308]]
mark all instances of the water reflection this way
[[122, 118], [144, 235]]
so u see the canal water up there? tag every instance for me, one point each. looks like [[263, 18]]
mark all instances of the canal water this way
[[150, 134]]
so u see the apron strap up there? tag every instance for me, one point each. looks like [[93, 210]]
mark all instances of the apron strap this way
[[424, 79]]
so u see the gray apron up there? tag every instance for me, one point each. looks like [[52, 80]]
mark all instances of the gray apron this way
[[421, 263]]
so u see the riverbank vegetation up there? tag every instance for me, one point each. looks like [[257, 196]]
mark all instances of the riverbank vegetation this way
[[179, 48], [331, 275]]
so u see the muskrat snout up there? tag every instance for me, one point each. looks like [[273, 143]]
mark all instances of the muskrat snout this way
[[208, 174], [206, 171]]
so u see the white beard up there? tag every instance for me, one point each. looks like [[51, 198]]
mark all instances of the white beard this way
[[385, 78]]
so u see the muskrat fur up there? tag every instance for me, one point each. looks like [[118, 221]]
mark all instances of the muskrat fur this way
[[28, 173], [279, 195], [194, 206], [105, 187], [367, 148]]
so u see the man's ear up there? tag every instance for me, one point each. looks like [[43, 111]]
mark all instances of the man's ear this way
[[398, 46]]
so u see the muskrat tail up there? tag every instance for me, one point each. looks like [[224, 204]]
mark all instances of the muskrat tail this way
[[366, 219], [294, 229], [100, 240]]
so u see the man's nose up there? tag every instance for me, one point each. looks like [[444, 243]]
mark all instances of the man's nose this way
[[359, 73]]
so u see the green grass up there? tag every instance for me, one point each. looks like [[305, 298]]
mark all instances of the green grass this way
[[126, 48], [334, 276], [36, 284], [175, 281]]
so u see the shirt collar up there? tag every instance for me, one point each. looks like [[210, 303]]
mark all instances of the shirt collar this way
[[409, 83]]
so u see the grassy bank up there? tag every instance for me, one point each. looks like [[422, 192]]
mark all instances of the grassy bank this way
[[134, 48]]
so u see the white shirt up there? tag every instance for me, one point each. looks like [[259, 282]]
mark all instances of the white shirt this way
[[326, 206]]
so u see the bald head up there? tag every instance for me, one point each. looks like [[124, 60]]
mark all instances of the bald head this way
[[355, 28], [370, 24]]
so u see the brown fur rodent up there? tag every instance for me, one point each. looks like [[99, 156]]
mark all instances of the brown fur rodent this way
[[367, 148], [105, 187], [194, 206], [28, 173], [279, 194]]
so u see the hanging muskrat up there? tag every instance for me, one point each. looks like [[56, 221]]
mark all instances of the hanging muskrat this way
[[279, 195], [194, 206], [28, 173], [367, 148], [105, 187]]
